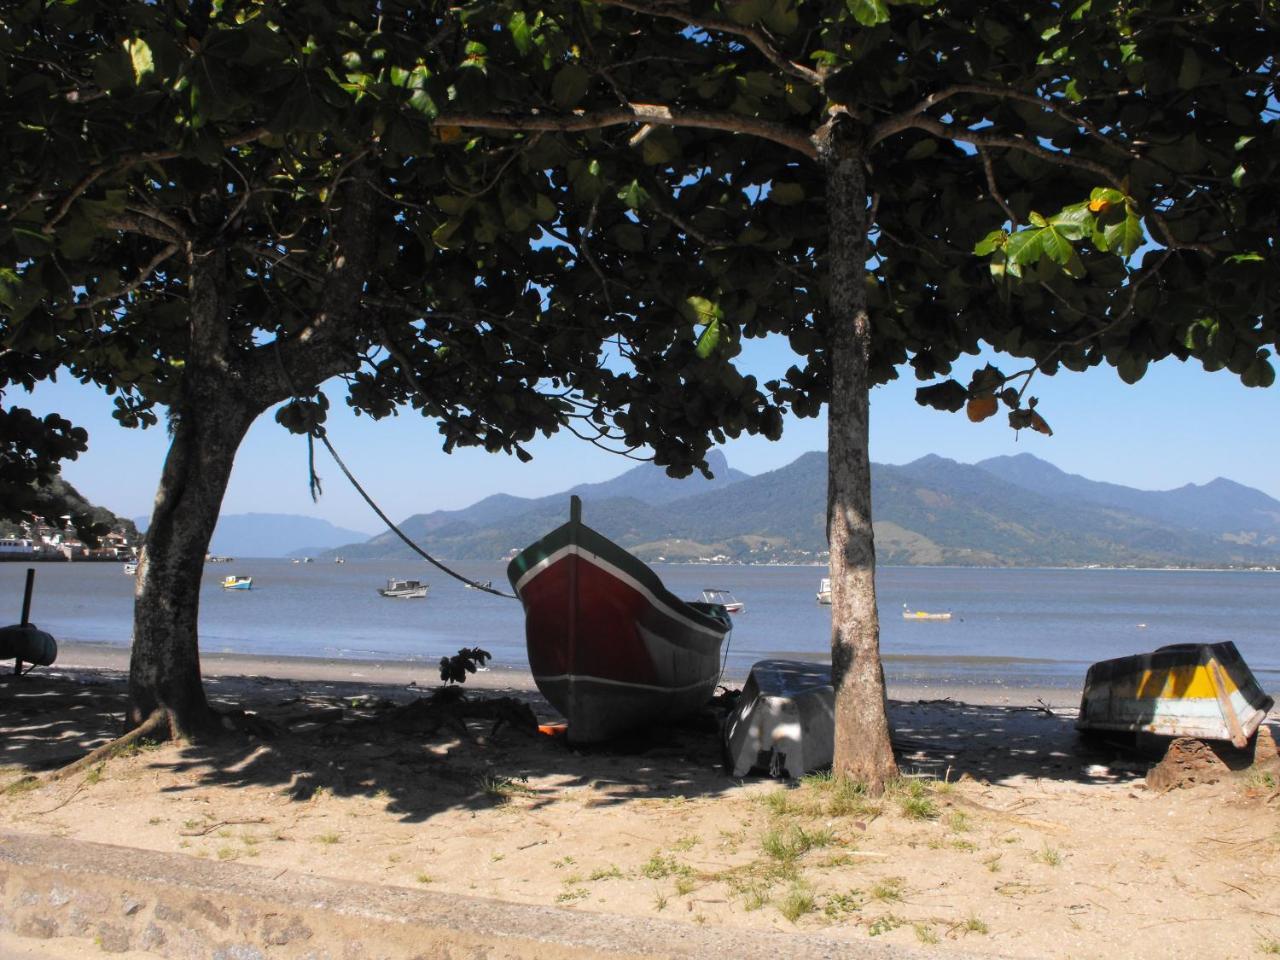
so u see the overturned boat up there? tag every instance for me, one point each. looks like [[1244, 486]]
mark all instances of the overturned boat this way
[[1202, 690], [609, 646], [27, 643], [785, 720]]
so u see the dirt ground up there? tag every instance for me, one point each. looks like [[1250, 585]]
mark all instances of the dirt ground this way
[[1007, 836]]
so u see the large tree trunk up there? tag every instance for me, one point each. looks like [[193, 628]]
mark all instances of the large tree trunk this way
[[164, 669], [863, 750]]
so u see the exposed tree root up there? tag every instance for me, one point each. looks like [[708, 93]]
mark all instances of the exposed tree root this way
[[156, 726]]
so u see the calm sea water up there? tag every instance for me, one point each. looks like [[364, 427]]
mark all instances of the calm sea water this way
[[1023, 627]]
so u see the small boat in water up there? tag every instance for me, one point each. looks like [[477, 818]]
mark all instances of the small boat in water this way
[[724, 598], [824, 591], [908, 614], [404, 589], [131, 568], [237, 583], [609, 646], [482, 585], [1202, 690]]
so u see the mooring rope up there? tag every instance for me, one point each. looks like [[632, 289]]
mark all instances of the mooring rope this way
[[320, 434]]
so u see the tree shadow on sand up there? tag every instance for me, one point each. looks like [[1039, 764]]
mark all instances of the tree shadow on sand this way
[[346, 739]]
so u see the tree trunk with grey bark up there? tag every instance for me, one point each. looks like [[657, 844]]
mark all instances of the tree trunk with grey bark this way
[[164, 668], [863, 750]]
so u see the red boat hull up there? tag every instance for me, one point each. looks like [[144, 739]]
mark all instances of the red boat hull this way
[[609, 647]]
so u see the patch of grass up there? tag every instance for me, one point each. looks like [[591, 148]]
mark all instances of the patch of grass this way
[[914, 799], [797, 902], [395, 857], [787, 844], [154, 821], [1049, 856], [686, 843], [95, 775], [958, 822], [563, 862], [973, 925], [754, 893], [1261, 779], [778, 802], [685, 885], [884, 924], [992, 863], [21, 786], [329, 839], [967, 846], [1269, 946], [659, 867], [425, 878], [659, 902], [610, 872], [228, 853], [836, 905], [497, 857], [503, 789], [569, 896], [889, 890], [925, 933]]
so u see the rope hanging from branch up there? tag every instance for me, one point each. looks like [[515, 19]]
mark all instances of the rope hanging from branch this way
[[320, 435]]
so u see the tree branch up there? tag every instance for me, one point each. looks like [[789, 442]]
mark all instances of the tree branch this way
[[143, 275], [635, 113], [757, 38]]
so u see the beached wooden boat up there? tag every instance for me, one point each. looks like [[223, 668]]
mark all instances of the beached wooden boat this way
[[1202, 690], [609, 646], [26, 643], [785, 721]]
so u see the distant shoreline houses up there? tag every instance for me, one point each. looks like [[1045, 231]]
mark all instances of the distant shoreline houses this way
[[42, 542]]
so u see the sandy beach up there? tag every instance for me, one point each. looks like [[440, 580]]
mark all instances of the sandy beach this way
[[1007, 837]]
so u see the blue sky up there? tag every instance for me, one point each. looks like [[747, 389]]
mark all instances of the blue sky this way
[[1178, 425]]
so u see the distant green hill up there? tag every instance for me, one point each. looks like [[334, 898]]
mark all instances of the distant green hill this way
[[1009, 511]]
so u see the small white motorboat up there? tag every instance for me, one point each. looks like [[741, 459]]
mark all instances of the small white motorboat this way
[[724, 598], [131, 568], [824, 591], [404, 589], [237, 583]]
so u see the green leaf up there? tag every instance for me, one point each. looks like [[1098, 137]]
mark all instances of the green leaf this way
[[1251, 257], [1037, 220], [521, 32], [786, 194], [1055, 245], [422, 102], [1074, 222], [1237, 175], [544, 208], [869, 12], [992, 242], [570, 85], [1126, 236], [709, 340], [1025, 247], [700, 311], [140, 54], [634, 195]]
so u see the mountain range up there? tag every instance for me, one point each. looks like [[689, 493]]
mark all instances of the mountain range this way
[[1005, 511], [273, 535]]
